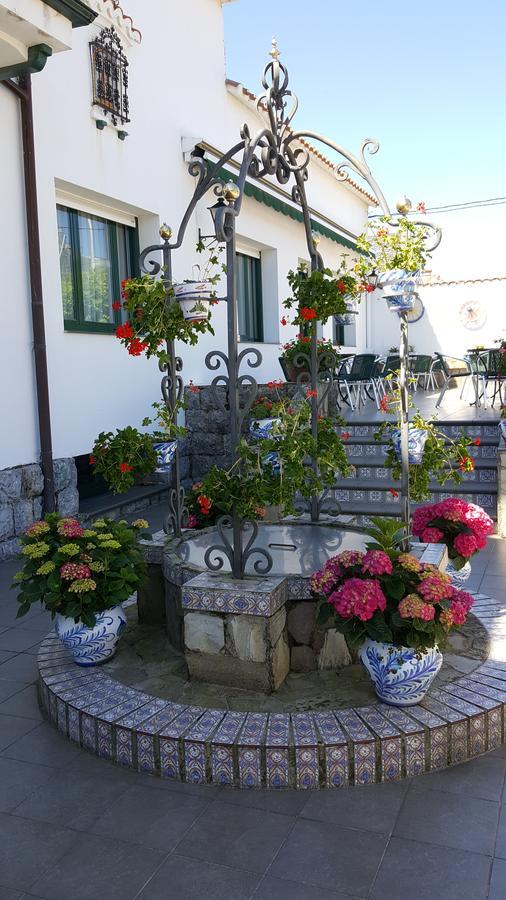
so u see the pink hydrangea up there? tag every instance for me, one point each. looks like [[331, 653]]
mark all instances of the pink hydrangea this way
[[435, 586], [456, 615], [465, 544], [431, 535], [409, 562], [356, 597], [376, 562], [38, 528], [413, 607], [463, 598], [70, 528], [421, 518], [69, 571]]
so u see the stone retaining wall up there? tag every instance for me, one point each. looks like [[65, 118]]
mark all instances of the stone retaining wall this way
[[21, 499]]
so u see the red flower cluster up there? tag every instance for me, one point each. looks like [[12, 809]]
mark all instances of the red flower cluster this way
[[463, 527], [466, 464], [136, 347], [275, 384], [284, 320], [116, 304], [124, 467], [384, 404], [310, 393], [193, 387], [307, 313], [341, 286], [125, 332], [205, 504], [345, 435]]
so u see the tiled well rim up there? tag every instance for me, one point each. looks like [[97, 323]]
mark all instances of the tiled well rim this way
[[302, 750]]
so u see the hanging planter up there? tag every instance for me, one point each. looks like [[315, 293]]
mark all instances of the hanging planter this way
[[416, 444], [502, 429], [194, 298], [399, 286]]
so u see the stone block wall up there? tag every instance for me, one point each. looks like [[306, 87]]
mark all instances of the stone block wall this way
[[21, 499], [312, 647]]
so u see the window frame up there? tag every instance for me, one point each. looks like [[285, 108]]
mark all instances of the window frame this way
[[79, 323], [258, 299]]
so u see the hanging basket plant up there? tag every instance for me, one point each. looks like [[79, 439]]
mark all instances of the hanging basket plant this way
[[295, 358], [393, 243], [316, 296]]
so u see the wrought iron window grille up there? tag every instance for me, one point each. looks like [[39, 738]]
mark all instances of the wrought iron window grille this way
[[109, 72]]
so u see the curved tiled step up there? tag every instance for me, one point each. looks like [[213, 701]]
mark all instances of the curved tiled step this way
[[329, 748]]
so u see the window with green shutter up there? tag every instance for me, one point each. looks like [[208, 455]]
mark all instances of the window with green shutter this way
[[96, 255], [249, 298]]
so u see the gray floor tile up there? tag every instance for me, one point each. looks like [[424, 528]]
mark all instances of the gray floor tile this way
[[19, 639], [6, 654], [12, 728], [240, 837], [334, 858], [195, 880], [429, 872], [288, 802], [466, 823], [9, 688], [155, 819], [25, 704], [276, 889], [18, 780], [11, 894], [72, 799], [43, 745], [27, 849], [482, 777], [373, 808], [96, 867], [494, 585], [500, 846], [498, 880], [22, 667]]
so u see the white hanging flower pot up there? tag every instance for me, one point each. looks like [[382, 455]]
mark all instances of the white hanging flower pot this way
[[416, 444], [194, 298], [399, 288]]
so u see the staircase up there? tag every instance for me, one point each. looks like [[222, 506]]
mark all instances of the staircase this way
[[367, 493]]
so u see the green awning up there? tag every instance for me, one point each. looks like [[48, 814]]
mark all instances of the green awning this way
[[252, 190]]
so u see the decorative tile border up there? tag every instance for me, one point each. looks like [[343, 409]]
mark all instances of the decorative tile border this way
[[320, 748]]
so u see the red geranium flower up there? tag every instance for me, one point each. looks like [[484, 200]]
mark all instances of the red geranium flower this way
[[341, 286], [384, 404], [92, 460], [136, 347], [466, 464], [393, 492], [477, 442], [284, 320], [125, 331], [345, 435], [193, 387], [124, 467], [307, 313], [369, 288], [420, 206], [310, 393], [116, 304]]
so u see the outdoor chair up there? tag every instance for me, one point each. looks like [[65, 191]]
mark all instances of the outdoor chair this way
[[494, 372], [420, 367], [359, 376], [455, 367]]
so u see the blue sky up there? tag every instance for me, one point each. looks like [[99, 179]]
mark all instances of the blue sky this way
[[428, 80]]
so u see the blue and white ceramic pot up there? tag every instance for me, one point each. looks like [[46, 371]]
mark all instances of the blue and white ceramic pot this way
[[416, 444], [401, 675], [502, 429], [165, 451], [89, 646], [261, 428], [458, 576]]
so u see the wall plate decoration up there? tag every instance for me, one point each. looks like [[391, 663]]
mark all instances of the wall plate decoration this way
[[472, 314]]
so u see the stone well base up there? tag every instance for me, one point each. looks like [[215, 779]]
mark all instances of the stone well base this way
[[310, 749]]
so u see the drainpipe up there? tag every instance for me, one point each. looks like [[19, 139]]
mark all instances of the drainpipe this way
[[23, 90]]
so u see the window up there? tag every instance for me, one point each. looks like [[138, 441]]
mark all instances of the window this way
[[249, 298], [345, 335], [95, 256], [109, 70]]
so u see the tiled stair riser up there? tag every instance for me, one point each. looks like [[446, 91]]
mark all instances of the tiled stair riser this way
[[461, 720]]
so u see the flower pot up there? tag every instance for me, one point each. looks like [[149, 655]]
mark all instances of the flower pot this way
[[458, 576], [89, 646], [193, 298], [261, 428], [401, 675], [502, 429], [416, 444], [166, 450]]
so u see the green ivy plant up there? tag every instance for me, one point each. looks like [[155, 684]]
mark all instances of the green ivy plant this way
[[392, 244]]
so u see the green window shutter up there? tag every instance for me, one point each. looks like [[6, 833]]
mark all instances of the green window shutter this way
[[249, 298]]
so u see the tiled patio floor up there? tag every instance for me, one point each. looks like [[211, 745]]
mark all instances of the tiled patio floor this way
[[73, 826], [452, 408]]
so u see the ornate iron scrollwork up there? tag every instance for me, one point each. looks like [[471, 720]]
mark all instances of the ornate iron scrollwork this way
[[109, 72]]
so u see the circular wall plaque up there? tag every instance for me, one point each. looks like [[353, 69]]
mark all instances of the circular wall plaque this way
[[472, 314]]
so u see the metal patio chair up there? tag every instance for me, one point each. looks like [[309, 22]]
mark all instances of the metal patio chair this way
[[358, 376], [420, 367], [455, 367]]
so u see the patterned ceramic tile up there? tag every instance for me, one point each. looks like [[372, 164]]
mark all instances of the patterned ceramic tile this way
[[494, 728], [364, 747], [219, 593], [222, 749], [146, 761], [276, 752], [306, 750], [61, 713], [250, 740], [458, 725], [162, 718], [104, 739], [53, 707], [390, 741], [195, 745], [145, 708], [477, 699], [124, 746], [485, 685], [477, 735], [438, 736], [88, 732], [73, 718], [335, 749], [170, 764]]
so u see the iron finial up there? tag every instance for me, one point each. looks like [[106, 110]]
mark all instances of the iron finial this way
[[274, 51]]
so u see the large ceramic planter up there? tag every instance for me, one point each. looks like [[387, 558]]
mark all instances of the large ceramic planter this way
[[401, 676], [416, 444], [89, 646], [458, 576], [399, 288], [194, 298]]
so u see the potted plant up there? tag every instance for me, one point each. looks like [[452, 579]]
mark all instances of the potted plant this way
[[318, 295], [82, 576], [396, 610], [124, 457], [463, 527], [194, 295], [295, 356], [431, 453]]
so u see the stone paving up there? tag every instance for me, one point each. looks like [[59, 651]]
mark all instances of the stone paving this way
[[75, 826]]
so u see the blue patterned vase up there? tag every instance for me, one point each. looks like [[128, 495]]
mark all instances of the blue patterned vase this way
[[260, 429], [89, 646], [416, 444], [458, 576], [401, 675], [502, 430], [165, 451]]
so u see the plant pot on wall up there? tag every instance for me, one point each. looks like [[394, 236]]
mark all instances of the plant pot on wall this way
[[416, 444], [194, 298]]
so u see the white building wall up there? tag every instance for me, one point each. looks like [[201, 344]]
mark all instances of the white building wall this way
[[177, 88]]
